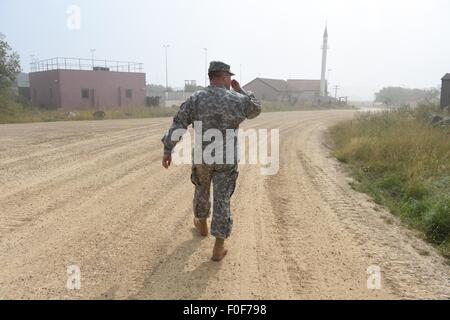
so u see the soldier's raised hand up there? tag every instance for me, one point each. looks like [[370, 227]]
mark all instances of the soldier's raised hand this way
[[235, 85]]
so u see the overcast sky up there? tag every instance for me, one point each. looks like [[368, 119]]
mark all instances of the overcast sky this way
[[373, 43]]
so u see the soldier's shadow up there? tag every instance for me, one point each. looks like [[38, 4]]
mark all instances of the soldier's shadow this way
[[172, 278]]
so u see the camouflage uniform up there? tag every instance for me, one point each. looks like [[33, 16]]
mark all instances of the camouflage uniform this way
[[216, 108]]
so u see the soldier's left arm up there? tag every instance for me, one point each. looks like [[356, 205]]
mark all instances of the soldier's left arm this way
[[181, 121]]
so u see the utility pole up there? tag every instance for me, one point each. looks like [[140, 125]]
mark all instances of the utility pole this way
[[33, 63], [206, 66], [92, 56], [167, 80], [335, 91], [240, 73]]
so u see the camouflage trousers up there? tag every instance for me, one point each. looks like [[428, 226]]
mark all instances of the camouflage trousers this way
[[223, 178]]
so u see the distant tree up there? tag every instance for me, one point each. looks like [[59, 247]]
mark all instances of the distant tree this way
[[190, 87], [9, 64], [398, 96], [157, 88]]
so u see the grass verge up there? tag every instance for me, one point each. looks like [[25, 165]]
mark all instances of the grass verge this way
[[12, 110], [24, 114], [403, 162]]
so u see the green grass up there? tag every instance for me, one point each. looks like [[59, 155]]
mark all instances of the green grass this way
[[403, 162]]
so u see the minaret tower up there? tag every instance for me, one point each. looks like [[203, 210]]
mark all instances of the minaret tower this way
[[324, 63]]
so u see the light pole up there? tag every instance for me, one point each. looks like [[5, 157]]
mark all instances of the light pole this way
[[206, 66], [33, 63], [92, 56], [167, 81], [336, 88], [240, 73]]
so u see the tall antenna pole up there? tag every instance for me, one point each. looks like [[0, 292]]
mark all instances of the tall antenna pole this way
[[206, 66], [328, 81], [324, 62]]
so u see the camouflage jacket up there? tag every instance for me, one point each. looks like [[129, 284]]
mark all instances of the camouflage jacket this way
[[216, 108]]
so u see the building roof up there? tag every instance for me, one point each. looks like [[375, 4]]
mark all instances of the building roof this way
[[446, 77], [277, 84], [298, 85], [291, 85]]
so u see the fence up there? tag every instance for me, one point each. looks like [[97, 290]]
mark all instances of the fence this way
[[64, 63]]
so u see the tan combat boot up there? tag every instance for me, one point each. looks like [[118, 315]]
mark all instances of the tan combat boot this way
[[202, 226], [219, 251]]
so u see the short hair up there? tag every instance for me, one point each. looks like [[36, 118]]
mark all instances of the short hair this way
[[215, 74]]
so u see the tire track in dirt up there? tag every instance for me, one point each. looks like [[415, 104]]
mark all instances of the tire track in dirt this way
[[313, 246], [14, 174], [127, 222], [405, 268], [81, 229]]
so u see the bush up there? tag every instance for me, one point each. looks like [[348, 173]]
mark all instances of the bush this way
[[99, 115], [438, 222]]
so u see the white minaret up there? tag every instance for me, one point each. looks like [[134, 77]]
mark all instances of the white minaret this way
[[324, 63]]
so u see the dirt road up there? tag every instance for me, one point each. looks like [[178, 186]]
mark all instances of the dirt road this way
[[94, 194]]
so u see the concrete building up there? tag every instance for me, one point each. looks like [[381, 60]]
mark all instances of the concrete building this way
[[302, 91], [292, 91], [82, 83], [445, 91]]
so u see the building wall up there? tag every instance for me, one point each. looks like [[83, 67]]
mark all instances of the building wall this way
[[303, 97], [63, 88], [445, 93], [44, 89], [262, 91]]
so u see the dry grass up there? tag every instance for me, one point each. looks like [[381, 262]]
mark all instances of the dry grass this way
[[14, 111], [23, 114], [399, 158], [270, 106]]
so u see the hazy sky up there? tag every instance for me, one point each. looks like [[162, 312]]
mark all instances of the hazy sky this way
[[374, 43]]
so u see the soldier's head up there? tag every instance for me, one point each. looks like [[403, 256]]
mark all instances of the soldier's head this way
[[219, 74]]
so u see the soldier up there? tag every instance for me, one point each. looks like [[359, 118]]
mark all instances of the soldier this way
[[215, 107]]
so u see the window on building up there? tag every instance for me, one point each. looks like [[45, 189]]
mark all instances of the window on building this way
[[128, 93], [85, 93]]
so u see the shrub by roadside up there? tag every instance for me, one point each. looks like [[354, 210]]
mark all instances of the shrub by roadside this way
[[403, 162]]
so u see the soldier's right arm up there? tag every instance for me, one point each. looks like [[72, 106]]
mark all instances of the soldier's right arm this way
[[181, 120], [252, 106]]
